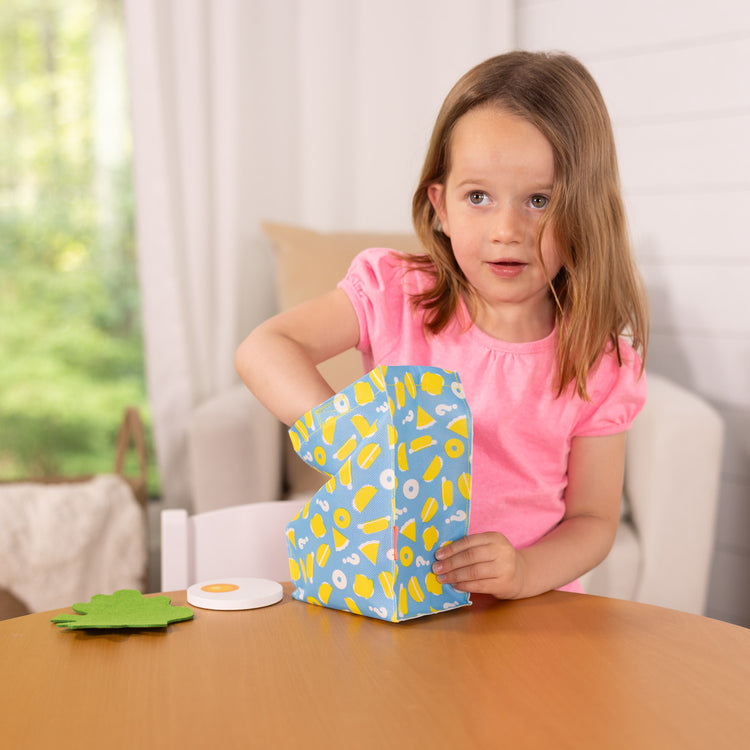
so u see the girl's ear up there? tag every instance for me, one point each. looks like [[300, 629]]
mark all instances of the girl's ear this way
[[436, 194]]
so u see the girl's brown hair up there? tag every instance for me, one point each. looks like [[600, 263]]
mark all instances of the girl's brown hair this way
[[598, 291]]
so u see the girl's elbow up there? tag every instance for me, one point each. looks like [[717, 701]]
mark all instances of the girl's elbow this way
[[239, 359], [245, 355]]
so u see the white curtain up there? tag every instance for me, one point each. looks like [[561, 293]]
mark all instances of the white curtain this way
[[314, 112]]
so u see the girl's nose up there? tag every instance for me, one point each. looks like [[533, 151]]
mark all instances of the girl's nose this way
[[507, 226]]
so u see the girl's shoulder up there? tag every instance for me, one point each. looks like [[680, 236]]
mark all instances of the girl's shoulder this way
[[380, 286], [388, 269], [619, 368], [617, 389]]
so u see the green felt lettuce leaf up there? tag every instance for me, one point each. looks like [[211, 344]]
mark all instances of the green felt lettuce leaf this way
[[126, 608]]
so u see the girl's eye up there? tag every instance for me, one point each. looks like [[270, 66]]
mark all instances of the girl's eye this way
[[539, 201], [477, 197]]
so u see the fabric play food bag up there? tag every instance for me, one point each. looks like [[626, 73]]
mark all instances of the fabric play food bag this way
[[397, 446]]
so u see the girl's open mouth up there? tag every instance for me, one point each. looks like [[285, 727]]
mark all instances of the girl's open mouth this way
[[507, 268]]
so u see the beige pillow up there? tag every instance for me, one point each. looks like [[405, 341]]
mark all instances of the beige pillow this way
[[309, 264]]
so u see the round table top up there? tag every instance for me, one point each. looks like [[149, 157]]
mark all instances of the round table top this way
[[562, 670]]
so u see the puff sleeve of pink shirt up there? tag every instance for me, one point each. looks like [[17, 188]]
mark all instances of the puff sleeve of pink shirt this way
[[522, 431]]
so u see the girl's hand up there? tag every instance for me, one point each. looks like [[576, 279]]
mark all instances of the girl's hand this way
[[483, 563]]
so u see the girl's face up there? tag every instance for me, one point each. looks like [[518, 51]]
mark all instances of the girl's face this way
[[494, 196]]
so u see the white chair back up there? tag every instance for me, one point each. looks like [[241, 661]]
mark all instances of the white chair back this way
[[243, 540]]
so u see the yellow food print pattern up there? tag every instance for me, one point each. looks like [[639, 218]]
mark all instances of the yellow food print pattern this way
[[396, 445]]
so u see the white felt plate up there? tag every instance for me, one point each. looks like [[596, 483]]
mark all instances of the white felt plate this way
[[234, 593]]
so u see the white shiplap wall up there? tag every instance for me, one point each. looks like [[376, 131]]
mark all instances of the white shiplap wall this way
[[676, 77]]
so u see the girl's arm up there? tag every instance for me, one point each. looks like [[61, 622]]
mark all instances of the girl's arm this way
[[487, 563], [277, 361]]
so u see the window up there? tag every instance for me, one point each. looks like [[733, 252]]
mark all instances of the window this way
[[71, 355]]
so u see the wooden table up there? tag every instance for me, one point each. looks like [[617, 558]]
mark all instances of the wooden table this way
[[557, 671]]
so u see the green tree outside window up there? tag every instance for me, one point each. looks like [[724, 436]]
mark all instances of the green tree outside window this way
[[71, 355]]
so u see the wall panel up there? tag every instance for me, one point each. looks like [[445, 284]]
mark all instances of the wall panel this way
[[595, 29], [686, 154], [695, 225], [706, 299], [681, 83]]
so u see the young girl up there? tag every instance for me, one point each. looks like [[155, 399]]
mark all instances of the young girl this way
[[526, 288]]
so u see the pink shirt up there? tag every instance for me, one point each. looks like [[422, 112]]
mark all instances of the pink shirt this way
[[522, 432]]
